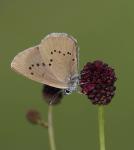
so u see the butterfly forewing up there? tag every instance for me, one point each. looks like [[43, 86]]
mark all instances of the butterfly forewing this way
[[30, 64], [59, 51]]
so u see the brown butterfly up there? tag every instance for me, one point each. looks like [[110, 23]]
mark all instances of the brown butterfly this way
[[53, 62]]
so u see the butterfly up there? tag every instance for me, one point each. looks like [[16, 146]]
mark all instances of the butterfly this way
[[53, 62]]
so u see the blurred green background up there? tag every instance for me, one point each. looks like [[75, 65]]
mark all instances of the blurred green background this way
[[104, 30]]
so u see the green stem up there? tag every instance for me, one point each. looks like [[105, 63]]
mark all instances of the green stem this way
[[101, 127], [50, 128]]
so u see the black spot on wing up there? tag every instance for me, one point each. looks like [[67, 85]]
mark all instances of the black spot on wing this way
[[37, 64], [73, 59]]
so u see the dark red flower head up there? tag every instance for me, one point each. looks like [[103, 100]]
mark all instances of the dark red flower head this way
[[97, 82], [52, 95]]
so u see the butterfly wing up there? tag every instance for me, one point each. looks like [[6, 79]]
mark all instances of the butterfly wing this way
[[30, 64], [59, 51]]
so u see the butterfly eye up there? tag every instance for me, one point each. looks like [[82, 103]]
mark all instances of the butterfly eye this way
[[51, 60], [59, 52], [32, 73], [50, 64], [63, 54], [32, 65], [54, 50], [30, 68], [51, 52], [38, 64]]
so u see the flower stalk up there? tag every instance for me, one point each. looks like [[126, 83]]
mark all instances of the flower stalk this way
[[50, 128], [101, 127]]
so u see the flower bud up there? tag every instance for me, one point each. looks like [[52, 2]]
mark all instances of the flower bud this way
[[52, 95], [33, 116]]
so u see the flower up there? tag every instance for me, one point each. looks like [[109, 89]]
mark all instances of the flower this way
[[97, 81], [52, 95], [33, 116]]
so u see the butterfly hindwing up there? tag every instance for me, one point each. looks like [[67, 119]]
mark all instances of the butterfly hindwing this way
[[30, 64]]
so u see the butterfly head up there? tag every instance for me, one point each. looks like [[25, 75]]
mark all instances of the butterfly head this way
[[74, 81]]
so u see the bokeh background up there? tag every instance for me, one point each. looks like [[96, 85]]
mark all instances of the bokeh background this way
[[104, 30]]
